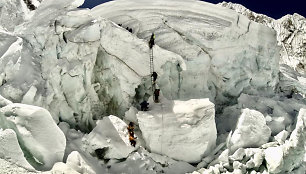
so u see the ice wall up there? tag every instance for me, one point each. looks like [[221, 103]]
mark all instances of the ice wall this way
[[291, 35], [225, 53], [81, 66]]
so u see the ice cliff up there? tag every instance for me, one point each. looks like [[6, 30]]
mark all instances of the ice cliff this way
[[290, 30], [219, 71], [79, 65]]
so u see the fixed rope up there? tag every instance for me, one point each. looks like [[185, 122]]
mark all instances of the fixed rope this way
[[162, 131], [152, 70]]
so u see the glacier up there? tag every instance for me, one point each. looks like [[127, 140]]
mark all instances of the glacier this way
[[232, 88], [65, 70]]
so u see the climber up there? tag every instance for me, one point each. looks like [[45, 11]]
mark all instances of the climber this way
[[156, 95], [132, 140], [144, 105], [131, 133], [151, 42], [131, 30], [130, 128], [154, 75]]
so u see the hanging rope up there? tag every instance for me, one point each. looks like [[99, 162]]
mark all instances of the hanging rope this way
[[152, 69], [162, 131]]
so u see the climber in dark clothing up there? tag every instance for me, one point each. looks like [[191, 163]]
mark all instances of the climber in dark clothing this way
[[130, 128], [154, 75], [144, 105], [132, 140], [131, 30], [151, 42], [156, 95]]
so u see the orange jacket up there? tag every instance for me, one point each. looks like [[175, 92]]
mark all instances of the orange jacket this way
[[131, 138]]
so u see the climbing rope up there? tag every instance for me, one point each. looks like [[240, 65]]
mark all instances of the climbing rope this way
[[162, 131]]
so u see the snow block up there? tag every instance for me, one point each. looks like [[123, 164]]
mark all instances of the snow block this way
[[110, 136], [274, 157], [182, 130], [39, 137], [251, 131], [77, 162], [61, 167], [290, 155], [10, 149]]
